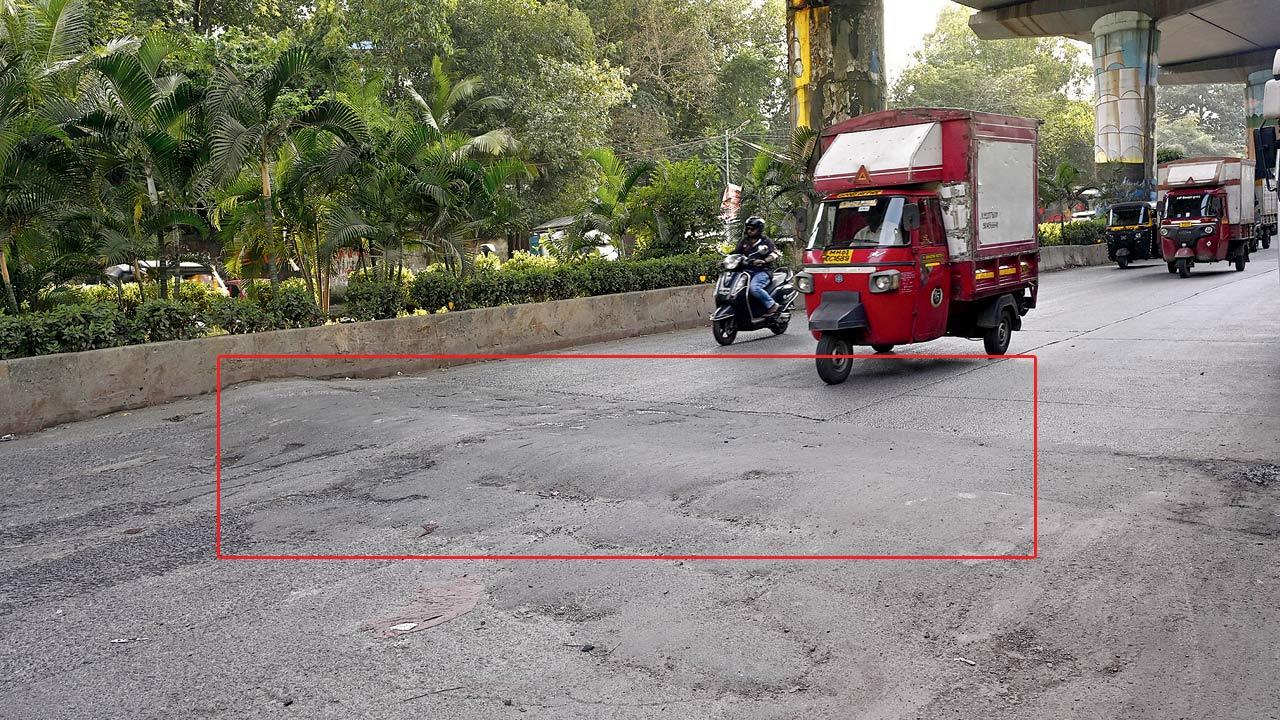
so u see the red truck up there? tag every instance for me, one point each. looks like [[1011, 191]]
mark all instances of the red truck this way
[[1206, 211], [927, 228]]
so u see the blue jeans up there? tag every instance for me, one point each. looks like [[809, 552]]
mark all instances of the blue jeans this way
[[759, 281]]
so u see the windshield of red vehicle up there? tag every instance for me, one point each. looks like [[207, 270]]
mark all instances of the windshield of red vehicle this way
[[1192, 206], [862, 222]]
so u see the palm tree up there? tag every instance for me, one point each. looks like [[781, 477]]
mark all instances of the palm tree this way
[[608, 209], [250, 127], [448, 108], [780, 183], [1061, 188], [141, 118], [42, 46]]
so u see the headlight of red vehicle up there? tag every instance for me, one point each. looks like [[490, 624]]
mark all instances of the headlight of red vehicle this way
[[804, 282], [886, 281]]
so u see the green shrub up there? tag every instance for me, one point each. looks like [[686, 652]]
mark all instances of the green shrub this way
[[161, 320], [1079, 232], [68, 328], [521, 260], [292, 306], [529, 282], [199, 295], [1049, 234], [238, 317], [1083, 233], [75, 328], [15, 336], [370, 298]]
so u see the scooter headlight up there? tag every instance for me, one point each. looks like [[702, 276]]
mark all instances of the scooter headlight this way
[[804, 282], [887, 281]]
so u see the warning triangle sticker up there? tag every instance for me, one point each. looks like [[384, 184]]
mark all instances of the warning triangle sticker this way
[[863, 176]]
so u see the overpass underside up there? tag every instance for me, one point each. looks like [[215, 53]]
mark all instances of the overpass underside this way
[[836, 51], [1139, 44]]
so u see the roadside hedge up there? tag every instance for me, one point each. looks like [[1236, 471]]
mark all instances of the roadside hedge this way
[[1079, 232], [97, 321], [98, 324], [535, 282]]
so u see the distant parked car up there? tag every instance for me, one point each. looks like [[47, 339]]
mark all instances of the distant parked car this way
[[188, 271]]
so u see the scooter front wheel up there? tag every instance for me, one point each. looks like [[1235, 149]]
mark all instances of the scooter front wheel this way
[[834, 371], [725, 331]]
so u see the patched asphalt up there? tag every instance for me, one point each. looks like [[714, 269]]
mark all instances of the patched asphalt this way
[[1153, 595]]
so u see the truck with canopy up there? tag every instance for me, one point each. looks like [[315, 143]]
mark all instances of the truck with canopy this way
[[927, 227]]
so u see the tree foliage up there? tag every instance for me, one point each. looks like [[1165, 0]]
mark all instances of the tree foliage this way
[[1043, 78]]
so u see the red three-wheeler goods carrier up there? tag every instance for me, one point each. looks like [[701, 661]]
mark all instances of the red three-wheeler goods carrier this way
[[1206, 212], [927, 228]]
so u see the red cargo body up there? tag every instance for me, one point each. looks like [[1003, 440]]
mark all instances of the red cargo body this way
[[971, 180]]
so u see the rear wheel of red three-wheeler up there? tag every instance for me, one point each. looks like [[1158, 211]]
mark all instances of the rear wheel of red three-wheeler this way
[[883, 349], [996, 340], [1241, 259], [834, 371]]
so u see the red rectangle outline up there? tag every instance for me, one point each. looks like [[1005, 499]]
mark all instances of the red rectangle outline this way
[[1035, 452]]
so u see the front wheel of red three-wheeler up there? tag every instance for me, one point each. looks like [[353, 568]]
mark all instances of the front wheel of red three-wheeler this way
[[996, 340], [882, 349], [834, 371], [1184, 268]]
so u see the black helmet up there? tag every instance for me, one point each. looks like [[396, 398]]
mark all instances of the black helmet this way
[[754, 222]]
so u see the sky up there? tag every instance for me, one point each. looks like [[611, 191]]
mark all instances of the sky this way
[[906, 22]]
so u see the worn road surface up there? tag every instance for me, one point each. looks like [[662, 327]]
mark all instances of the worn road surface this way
[[1154, 595]]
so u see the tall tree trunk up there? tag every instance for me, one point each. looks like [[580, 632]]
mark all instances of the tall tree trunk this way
[[161, 246], [8, 284], [303, 263], [269, 214]]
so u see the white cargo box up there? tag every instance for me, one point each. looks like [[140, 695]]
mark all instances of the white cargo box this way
[[983, 167]]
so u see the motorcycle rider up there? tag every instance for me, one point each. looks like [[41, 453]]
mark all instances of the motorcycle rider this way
[[761, 254]]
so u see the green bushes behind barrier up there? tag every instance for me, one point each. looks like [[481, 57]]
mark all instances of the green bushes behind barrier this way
[[98, 322], [1079, 232], [539, 282], [95, 325]]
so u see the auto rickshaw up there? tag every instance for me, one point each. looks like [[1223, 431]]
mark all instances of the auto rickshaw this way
[[927, 228], [1132, 233]]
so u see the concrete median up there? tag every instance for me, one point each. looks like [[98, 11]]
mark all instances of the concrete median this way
[[1062, 257], [40, 392]]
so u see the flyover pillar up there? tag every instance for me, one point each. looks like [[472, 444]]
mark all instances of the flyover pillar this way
[[836, 59], [1125, 67]]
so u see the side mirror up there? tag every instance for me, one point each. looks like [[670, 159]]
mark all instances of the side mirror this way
[[1271, 100], [1265, 147], [911, 217]]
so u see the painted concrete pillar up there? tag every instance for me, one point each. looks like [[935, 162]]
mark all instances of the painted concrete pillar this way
[[1125, 66], [836, 58], [1253, 92]]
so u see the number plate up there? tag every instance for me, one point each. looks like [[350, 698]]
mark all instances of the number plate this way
[[1185, 224], [836, 256]]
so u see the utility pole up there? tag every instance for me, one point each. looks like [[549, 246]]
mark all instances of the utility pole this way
[[727, 179]]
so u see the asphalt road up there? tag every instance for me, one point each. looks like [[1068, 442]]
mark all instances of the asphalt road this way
[[1154, 594]]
